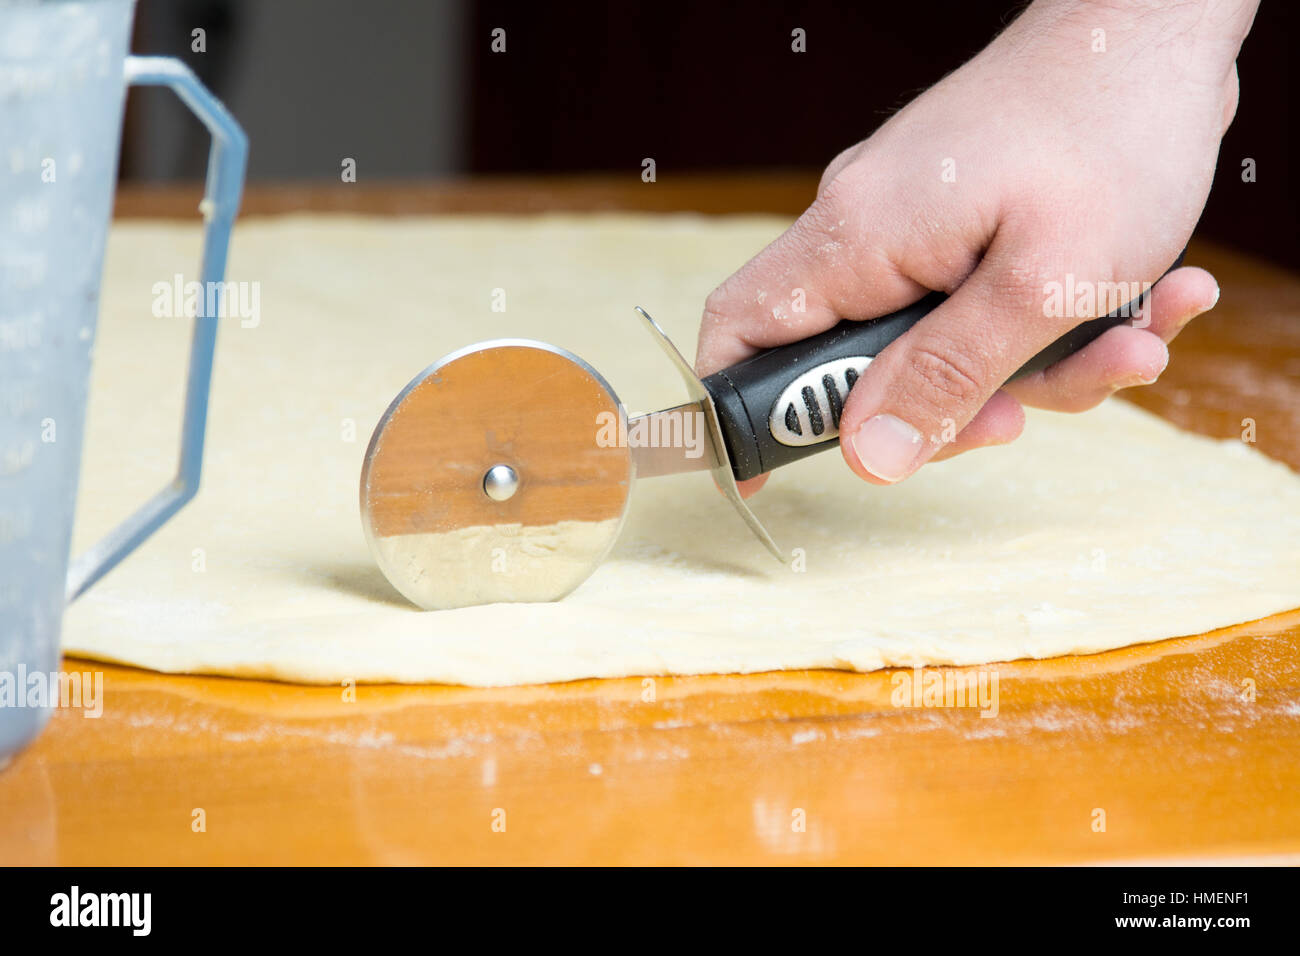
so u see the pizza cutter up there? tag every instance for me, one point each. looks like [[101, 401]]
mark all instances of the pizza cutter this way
[[502, 472]]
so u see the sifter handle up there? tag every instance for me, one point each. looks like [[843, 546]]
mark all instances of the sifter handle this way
[[225, 184]]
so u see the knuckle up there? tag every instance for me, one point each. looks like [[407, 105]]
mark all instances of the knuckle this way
[[834, 174], [949, 382], [715, 308], [841, 192], [723, 307], [721, 328], [1018, 289], [819, 225]]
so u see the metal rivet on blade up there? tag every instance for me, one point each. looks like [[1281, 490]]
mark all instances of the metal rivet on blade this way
[[500, 483]]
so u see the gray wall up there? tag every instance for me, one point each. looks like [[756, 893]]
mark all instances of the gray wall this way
[[312, 81]]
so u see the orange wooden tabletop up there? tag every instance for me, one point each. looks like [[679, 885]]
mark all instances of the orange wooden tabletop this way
[[1186, 749]]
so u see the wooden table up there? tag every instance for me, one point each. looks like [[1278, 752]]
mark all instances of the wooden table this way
[[1164, 738]]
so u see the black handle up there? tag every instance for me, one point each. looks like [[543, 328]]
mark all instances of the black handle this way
[[784, 404]]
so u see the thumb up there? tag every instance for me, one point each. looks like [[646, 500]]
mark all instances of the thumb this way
[[928, 384]]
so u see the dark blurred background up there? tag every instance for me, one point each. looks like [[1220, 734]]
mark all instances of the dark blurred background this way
[[412, 90]]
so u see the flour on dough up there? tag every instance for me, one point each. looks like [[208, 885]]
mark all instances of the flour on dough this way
[[509, 562], [1091, 532]]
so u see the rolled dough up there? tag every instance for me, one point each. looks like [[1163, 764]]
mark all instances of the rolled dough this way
[[1091, 532]]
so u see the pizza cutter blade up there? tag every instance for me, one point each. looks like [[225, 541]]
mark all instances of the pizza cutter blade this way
[[503, 471], [484, 482]]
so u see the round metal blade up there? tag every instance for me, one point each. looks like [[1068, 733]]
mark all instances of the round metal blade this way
[[496, 475]]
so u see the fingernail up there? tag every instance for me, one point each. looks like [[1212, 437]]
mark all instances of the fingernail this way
[[1186, 319], [887, 447], [1140, 379]]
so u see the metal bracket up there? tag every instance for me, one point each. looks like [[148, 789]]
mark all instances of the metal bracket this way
[[722, 473]]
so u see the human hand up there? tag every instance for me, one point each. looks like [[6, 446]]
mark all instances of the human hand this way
[[1039, 162]]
